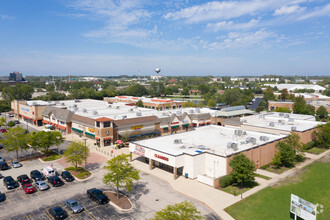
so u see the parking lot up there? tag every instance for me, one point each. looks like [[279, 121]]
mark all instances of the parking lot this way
[[149, 195]]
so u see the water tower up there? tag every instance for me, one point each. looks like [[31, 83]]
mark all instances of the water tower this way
[[157, 70]]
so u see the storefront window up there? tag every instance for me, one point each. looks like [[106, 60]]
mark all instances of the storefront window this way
[[97, 124], [107, 124]]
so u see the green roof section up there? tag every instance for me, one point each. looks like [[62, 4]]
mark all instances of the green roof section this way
[[234, 112]]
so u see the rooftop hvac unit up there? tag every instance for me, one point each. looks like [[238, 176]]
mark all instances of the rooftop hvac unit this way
[[109, 106], [138, 113], [191, 111], [95, 113], [281, 114], [177, 141], [293, 128], [178, 112], [244, 121], [84, 110], [282, 122], [251, 140], [286, 116], [244, 133], [272, 124], [264, 138], [76, 100], [232, 145], [131, 109], [236, 132], [291, 119], [124, 116], [198, 110], [62, 103], [117, 107], [75, 106], [240, 132], [262, 116]]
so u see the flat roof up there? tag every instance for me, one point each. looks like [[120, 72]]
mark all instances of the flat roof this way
[[279, 123], [290, 115], [118, 110], [212, 139]]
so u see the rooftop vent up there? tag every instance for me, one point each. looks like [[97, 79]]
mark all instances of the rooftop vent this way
[[282, 122], [109, 106], [177, 141], [264, 138], [131, 109], [244, 133], [117, 107], [198, 110], [124, 116], [84, 110], [286, 116], [232, 145], [251, 140], [95, 113], [291, 120], [293, 128], [272, 124], [191, 111], [165, 114], [139, 114], [281, 114], [244, 121], [76, 100], [34, 103], [62, 103], [178, 112], [262, 116]]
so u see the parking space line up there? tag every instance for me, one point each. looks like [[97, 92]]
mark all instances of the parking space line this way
[[90, 214], [48, 215], [29, 217]]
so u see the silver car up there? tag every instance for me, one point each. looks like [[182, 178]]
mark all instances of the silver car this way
[[15, 164], [73, 205], [41, 185]]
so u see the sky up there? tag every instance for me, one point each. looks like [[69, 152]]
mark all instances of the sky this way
[[181, 37]]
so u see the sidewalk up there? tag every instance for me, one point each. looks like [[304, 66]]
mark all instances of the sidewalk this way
[[216, 199]]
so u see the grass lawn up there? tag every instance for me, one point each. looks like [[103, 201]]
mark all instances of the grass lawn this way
[[316, 150], [280, 170], [236, 190], [312, 184], [262, 176], [81, 173], [51, 156]]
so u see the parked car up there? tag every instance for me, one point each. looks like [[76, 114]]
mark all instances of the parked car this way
[[4, 165], [17, 122], [1, 159], [15, 164], [28, 188], [48, 171], [23, 179], [58, 213], [3, 130], [41, 185], [36, 175], [97, 195], [55, 181], [1, 146], [11, 115], [2, 197], [67, 176], [9, 182], [73, 205]]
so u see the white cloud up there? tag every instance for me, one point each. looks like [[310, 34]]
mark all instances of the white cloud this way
[[230, 25], [318, 12], [6, 17], [226, 10], [235, 40], [289, 10]]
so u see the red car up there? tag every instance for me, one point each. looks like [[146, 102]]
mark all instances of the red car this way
[[3, 130], [28, 188]]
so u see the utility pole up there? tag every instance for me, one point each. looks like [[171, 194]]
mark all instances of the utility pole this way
[[85, 139]]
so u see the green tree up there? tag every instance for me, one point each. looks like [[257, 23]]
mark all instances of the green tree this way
[[321, 136], [277, 161], [293, 140], [45, 139], [188, 104], [322, 112], [185, 91], [300, 106], [182, 211], [211, 103], [168, 91], [19, 91], [120, 173], [2, 121], [204, 89], [76, 153], [287, 153], [11, 124], [243, 169], [136, 90], [283, 109], [15, 139], [139, 103], [284, 94]]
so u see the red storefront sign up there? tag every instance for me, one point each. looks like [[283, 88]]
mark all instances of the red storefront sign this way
[[161, 157], [139, 150], [173, 123]]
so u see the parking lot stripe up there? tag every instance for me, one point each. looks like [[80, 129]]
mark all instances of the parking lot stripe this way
[[90, 214], [48, 215]]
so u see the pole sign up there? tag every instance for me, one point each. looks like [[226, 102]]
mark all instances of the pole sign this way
[[302, 208]]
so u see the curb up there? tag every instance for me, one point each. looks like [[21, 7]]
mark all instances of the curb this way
[[82, 180], [120, 209], [42, 161]]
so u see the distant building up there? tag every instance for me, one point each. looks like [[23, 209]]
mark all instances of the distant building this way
[[293, 87], [173, 81], [16, 76]]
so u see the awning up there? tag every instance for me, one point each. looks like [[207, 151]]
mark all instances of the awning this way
[[165, 128], [185, 124], [61, 127], [175, 126], [26, 117], [45, 122], [90, 134], [97, 138], [48, 126], [76, 129], [107, 138]]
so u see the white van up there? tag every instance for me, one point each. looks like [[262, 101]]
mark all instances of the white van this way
[[48, 171]]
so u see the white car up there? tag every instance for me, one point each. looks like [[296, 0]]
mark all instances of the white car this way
[[41, 185], [15, 164]]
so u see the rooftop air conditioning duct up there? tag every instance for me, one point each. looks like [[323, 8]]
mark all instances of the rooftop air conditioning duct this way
[[124, 116], [251, 140], [117, 107], [286, 116], [293, 128], [138, 113], [264, 138], [272, 124], [291, 120], [281, 114]]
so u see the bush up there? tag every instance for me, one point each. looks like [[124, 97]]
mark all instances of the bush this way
[[300, 158], [226, 181], [308, 145], [265, 166]]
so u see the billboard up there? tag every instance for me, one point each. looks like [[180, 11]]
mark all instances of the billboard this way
[[302, 208]]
